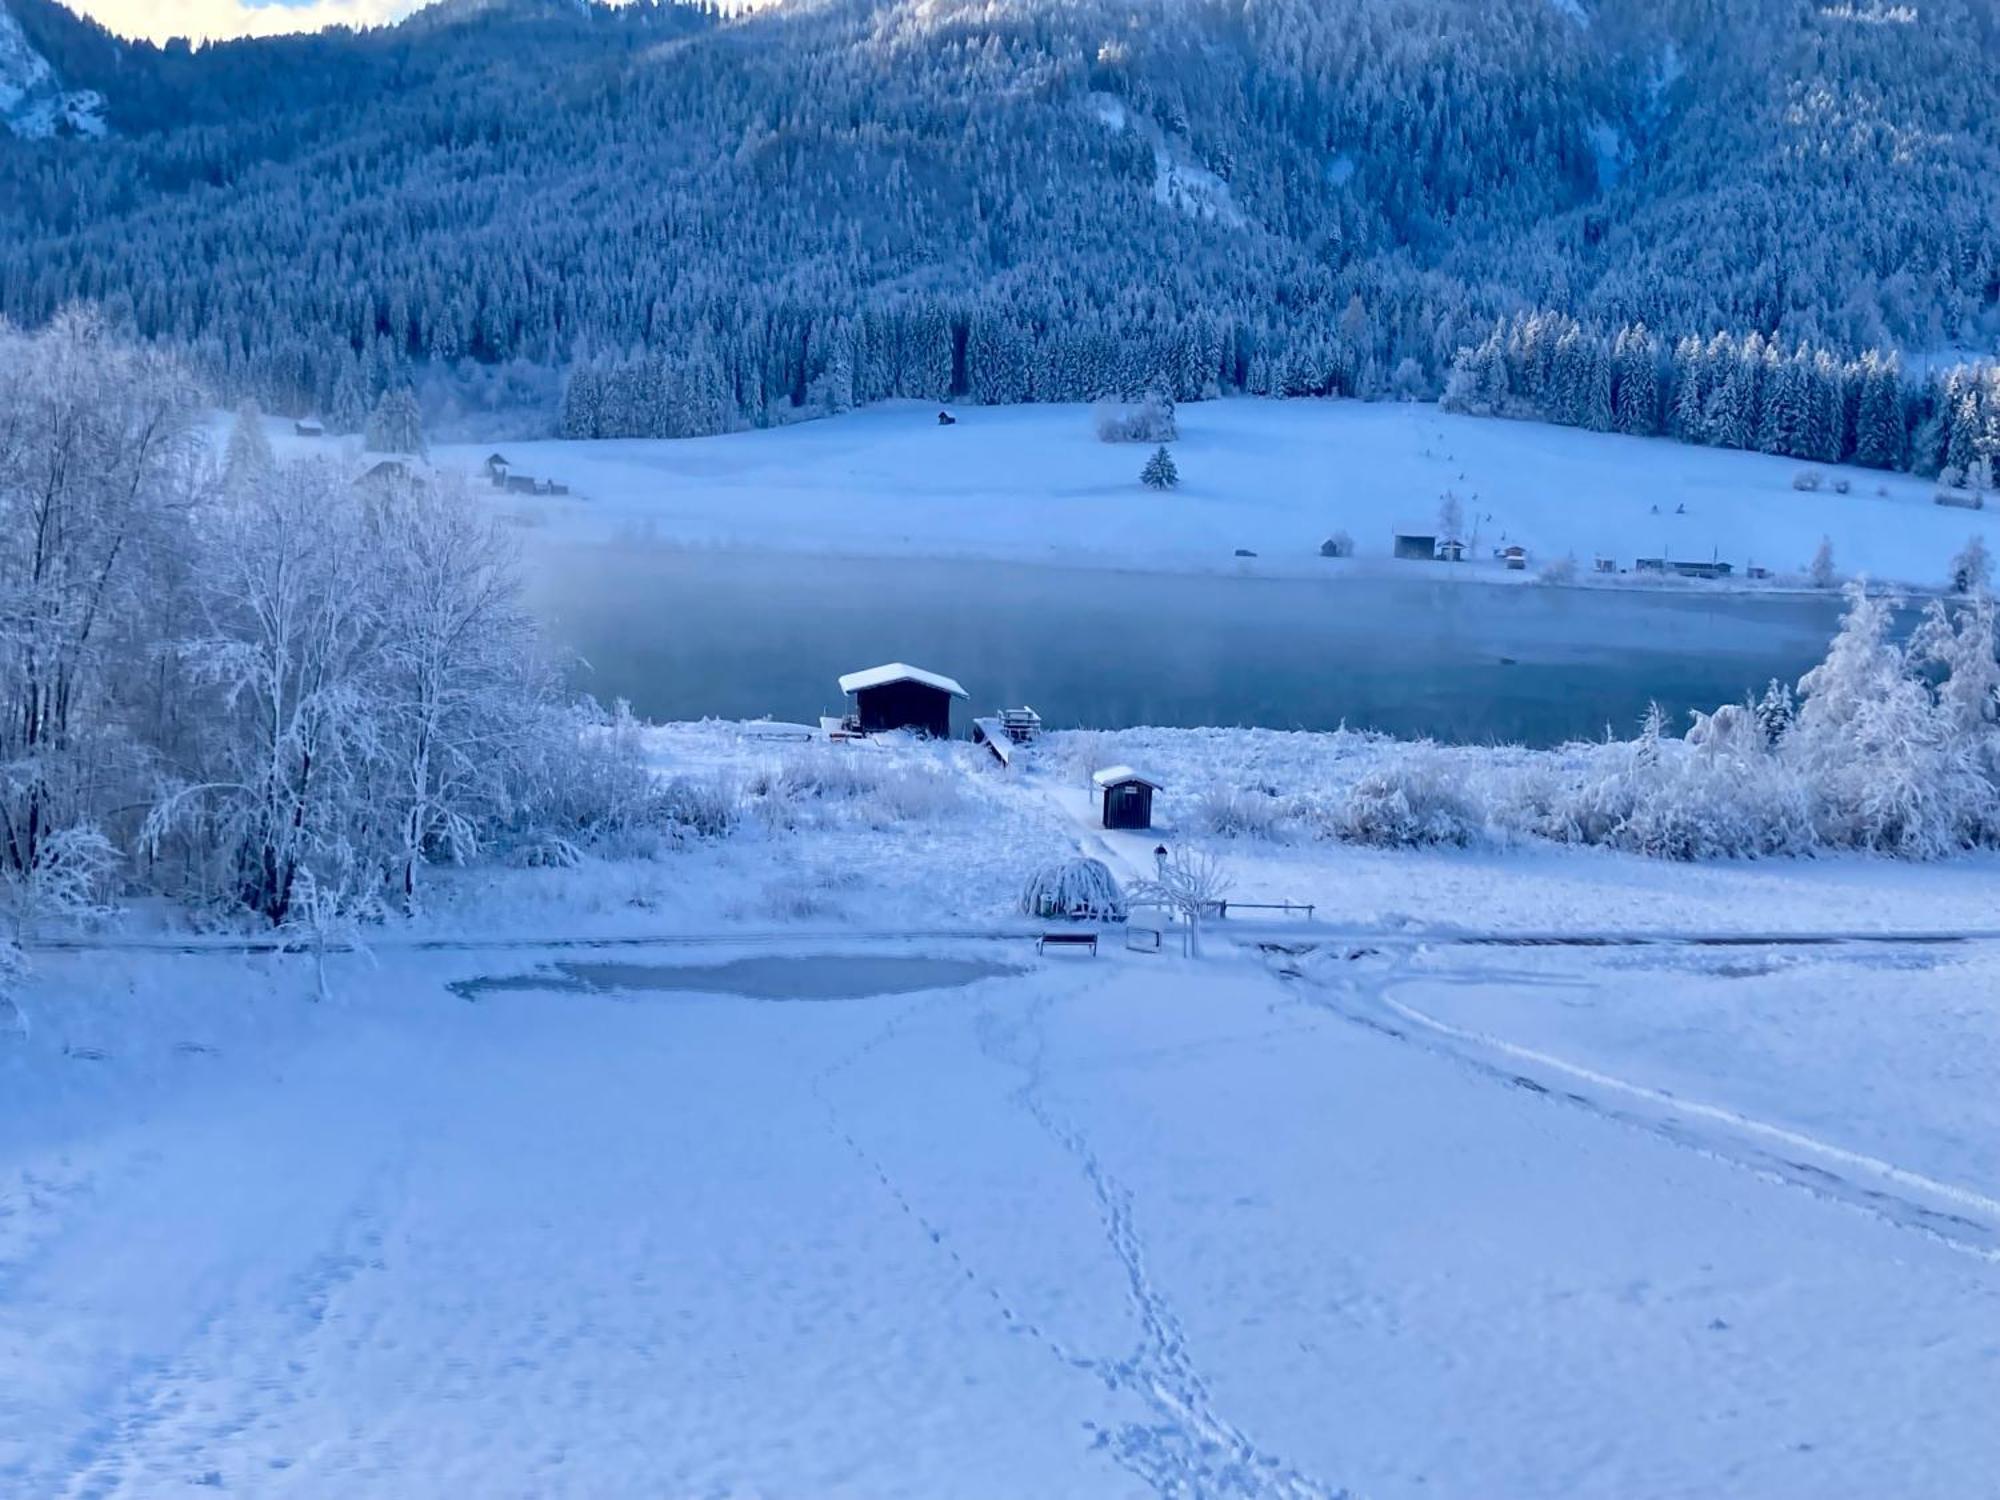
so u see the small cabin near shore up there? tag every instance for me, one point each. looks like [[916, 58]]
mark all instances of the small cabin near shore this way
[[306, 427], [897, 695], [1416, 546], [1128, 797]]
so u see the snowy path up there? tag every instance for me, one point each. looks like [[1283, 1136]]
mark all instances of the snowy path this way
[[1117, 1228], [1962, 1217]]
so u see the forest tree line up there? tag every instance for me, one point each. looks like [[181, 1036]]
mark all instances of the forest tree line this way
[[714, 223]]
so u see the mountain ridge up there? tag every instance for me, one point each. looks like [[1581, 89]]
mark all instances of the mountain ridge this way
[[1047, 199]]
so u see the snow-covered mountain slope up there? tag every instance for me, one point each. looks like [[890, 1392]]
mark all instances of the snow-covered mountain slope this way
[[33, 102]]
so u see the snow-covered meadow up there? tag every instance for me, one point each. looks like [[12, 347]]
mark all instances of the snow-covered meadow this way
[[1394, 1218], [1277, 478]]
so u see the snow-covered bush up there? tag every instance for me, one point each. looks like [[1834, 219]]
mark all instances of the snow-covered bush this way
[[1889, 769], [1149, 421], [1559, 570], [1419, 797], [705, 807], [1821, 570], [1077, 889], [1843, 485], [1340, 544], [1808, 479], [827, 784], [1972, 567], [66, 881], [13, 969], [1717, 793], [1237, 812]]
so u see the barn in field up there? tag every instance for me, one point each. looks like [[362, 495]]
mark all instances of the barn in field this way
[[1415, 544], [900, 696], [1128, 797]]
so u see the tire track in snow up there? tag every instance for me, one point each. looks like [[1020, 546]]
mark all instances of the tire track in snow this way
[[1960, 1218]]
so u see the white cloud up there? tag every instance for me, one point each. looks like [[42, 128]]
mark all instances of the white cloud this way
[[205, 20]]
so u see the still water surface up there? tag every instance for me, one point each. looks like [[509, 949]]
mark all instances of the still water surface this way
[[689, 634]]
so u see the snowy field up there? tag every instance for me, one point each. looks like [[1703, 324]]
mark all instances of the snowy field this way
[[657, 1177], [1033, 483]]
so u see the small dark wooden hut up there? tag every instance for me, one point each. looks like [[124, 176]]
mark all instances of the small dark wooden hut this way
[[1128, 797], [900, 696]]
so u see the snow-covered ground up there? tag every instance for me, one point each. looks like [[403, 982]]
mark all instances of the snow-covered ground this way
[[1132, 1226], [1275, 478], [740, 1202]]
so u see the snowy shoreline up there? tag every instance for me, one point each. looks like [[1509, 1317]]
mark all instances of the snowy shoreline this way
[[1267, 477]]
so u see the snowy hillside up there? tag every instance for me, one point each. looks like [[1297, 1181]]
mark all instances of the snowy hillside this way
[[805, 206], [33, 103], [1273, 478]]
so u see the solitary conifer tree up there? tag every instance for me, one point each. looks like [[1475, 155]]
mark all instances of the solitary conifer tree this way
[[1160, 473]]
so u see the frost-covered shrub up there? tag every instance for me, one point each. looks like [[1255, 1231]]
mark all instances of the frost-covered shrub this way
[[1559, 570], [1340, 544], [1843, 485], [1420, 797], [1078, 889], [1149, 421], [1237, 812], [704, 808], [1890, 766], [826, 784], [1808, 479]]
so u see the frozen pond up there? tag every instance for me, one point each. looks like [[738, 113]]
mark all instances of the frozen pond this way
[[691, 634], [821, 976]]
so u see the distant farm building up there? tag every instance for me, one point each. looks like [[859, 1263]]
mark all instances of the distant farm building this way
[[1450, 549], [497, 466], [1515, 556], [1416, 546], [1683, 569], [900, 696], [307, 427], [1605, 564], [388, 470], [1128, 797]]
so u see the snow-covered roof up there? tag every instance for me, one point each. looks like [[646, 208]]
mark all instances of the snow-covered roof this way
[[1118, 775], [899, 671]]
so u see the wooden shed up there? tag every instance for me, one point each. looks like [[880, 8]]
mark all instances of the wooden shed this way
[[1417, 546], [1128, 797], [897, 695]]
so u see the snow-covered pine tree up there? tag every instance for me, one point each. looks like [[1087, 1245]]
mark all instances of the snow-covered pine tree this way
[[1160, 472], [396, 425], [248, 457]]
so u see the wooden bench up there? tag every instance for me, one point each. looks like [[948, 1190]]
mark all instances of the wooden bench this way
[[1067, 940]]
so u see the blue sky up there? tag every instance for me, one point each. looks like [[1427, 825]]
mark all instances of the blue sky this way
[[160, 19]]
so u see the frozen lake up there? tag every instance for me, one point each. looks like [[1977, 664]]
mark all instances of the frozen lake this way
[[687, 634]]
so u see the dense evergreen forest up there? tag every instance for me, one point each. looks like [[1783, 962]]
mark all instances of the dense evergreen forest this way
[[654, 219]]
